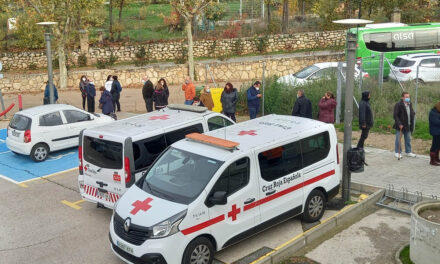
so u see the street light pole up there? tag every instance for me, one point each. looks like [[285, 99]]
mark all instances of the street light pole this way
[[47, 38]]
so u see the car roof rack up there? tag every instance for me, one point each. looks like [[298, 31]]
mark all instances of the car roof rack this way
[[213, 141], [190, 108]]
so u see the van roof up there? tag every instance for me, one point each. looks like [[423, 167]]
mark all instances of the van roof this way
[[42, 109], [145, 123], [255, 133]]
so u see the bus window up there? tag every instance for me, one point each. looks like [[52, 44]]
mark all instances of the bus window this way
[[403, 40], [427, 39], [380, 42]]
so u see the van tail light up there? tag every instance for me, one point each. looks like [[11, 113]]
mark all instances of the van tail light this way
[[27, 136], [80, 157], [337, 152], [406, 71], [127, 170]]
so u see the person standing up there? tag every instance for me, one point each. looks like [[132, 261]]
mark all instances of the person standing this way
[[229, 100], [46, 99], [82, 88], [163, 82], [434, 130], [253, 99], [404, 125], [91, 93], [365, 118], [159, 97], [106, 101], [327, 106], [147, 93], [206, 98], [116, 93], [302, 106], [108, 83], [190, 91]]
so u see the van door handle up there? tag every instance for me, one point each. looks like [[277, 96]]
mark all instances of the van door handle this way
[[249, 200], [271, 192]]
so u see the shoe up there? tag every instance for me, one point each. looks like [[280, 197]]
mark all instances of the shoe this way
[[412, 155], [432, 161], [436, 158], [398, 155]]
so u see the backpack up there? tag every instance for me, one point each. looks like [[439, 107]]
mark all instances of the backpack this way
[[356, 160]]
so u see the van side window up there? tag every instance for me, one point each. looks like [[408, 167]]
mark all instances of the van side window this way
[[146, 151], [179, 134], [315, 148], [52, 119], [217, 122], [235, 177], [280, 161]]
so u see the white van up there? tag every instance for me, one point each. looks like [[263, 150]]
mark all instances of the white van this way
[[209, 191], [112, 157]]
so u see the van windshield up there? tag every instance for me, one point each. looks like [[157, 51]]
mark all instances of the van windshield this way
[[179, 176], [103, 153]]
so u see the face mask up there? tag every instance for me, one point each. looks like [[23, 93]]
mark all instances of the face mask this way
[[84, 79], [408, 100], [186, 82], [297, 96], [208, 90], [258, 88]]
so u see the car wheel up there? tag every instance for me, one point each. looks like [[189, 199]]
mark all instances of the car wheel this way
[[39, 152], [314, 207], [199, 251], [420, 81]]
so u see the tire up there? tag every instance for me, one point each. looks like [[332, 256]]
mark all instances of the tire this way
[[199, 251], [420, 81], [40, 152], [314, 207]]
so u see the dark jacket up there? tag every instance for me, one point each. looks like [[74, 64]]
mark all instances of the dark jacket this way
[[82, 88], [302, 107], [167, 92], [148, 90], [434, 122], [106, 101], [401, 117], [90, 90], [229, 101], [159, 98], [116, 89], [252, 99], [327, 110], [47, 93], [365, 114]]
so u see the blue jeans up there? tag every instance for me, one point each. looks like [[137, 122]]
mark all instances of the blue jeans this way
[[189, 102], [407, 136], [253, 113]]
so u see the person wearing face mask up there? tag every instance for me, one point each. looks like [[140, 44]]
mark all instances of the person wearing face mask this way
[[164, 84], [229, 100], [91, 93], [365, 118], [190, 91], [303, 106], [206, 98], [82, 88], [434, 130], [404, 125], [147, 93], [253, 99], [108, 83]]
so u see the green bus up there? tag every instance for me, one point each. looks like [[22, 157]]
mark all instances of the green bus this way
[[393, 39]]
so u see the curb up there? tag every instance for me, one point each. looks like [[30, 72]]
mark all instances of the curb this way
[[287, 249], [397, 256]]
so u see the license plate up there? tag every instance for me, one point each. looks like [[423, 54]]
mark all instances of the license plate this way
[[124, 247], [103, 195], [15, 133]]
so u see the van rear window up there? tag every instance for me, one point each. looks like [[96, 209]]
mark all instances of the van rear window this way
[[20, 122], [103, 153]]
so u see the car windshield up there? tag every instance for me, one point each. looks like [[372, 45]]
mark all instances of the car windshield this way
[[304, 73], [399, 62], [20, 122], [179, 176]]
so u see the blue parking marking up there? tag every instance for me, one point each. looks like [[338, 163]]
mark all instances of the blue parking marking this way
[[19, 168]]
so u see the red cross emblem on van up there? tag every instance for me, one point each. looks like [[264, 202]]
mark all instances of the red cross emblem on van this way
[[234, 212], [161, 117], [141, 205], [249, 132]]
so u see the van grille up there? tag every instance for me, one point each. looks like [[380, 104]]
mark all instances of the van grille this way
[[136, 235]]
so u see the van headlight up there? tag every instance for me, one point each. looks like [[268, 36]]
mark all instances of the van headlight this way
[[168, 227]]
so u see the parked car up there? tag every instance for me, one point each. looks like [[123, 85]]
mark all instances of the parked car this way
[[42, 129], [404, 67], [318, 71]]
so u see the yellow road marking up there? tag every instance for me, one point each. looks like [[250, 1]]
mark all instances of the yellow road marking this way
[[22, 185], [50, 175], [74, 205], [362, 197]]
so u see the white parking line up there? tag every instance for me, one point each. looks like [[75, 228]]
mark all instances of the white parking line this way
[[8, 179], [5, 152], [2, 141]]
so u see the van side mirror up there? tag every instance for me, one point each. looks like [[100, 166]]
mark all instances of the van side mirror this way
[[219, 198]]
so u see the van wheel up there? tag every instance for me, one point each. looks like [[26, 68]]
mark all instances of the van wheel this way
[[39, 152], [315, 206], [199, 251]]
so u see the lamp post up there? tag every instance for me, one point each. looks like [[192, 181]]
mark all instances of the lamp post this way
[[348, 111], [47, 35]]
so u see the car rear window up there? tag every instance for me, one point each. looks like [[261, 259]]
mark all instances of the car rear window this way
[[103, 153], [400, 62], [20, 122]]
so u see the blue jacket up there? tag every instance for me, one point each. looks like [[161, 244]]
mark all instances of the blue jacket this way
[[107, 103], [90, 90], [252, 99], [434, 122], [47, 93]]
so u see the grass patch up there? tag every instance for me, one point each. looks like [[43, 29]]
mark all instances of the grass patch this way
[[404, 256]]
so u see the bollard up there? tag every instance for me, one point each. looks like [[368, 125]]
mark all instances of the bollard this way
[[20, 103]]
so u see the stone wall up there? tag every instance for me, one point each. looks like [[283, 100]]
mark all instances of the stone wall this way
[[237, 69], [172, 50]]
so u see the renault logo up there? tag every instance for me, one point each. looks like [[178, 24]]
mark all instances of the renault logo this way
[[127, 224]]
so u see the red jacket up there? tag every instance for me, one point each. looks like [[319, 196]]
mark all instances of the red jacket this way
[[327, 110]]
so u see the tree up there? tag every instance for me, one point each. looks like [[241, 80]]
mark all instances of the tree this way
[[188, 9], [285, 19]]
